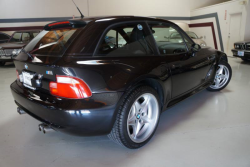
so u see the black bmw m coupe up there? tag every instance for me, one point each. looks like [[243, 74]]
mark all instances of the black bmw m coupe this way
[[112, 76]]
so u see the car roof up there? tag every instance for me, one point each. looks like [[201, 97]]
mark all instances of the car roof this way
[[119, 18]]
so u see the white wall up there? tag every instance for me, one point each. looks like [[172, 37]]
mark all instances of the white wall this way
[[140, 7], [247, 26], [231, 7], [40, 8], [195, 4], [65, 8]]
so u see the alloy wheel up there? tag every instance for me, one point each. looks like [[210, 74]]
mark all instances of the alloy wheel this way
[[143, 117], [221, 77]]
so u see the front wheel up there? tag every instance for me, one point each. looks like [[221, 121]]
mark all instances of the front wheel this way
[[222, 77], [137, 118]]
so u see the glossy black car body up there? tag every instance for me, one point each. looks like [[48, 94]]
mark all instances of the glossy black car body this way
[[175, 77], [241, 48]]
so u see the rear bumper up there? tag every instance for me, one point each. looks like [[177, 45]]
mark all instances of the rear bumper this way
[[246, 53], [86, 117]]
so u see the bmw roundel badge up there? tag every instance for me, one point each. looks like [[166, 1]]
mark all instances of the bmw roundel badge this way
[[26, 66], [139, 26]]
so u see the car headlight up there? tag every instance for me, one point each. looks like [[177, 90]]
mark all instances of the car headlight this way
[[16, 51], [237, 46], [203, 45]]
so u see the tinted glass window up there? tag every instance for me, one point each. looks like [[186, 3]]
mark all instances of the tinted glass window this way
[[188, 41], [168, 39], [53, 42], [25, 37], [192, 35], [16, 37], [3, 36], [125, 40]]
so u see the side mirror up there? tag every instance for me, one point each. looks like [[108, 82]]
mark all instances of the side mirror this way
[[196, 48], [201, 37]]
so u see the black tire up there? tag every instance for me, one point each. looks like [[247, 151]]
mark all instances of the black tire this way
[[2, 63], [229, 78], [246, 60], [119, 133]]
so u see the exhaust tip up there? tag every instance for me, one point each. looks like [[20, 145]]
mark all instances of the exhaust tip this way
[[44, 128], [20, 111]]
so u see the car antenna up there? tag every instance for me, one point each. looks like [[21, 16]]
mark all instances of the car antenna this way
[[82, 16]]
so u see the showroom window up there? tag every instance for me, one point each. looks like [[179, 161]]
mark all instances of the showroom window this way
[[25, 37], [126, 40], [16, 37], [168, 40]]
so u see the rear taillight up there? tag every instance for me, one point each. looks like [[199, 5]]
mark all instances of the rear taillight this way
[[19, 76], [69, 87]]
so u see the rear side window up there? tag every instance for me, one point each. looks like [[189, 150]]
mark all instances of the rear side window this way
[[53, 42], [26, 37], [125, 40], [16, 37], [168, 40]]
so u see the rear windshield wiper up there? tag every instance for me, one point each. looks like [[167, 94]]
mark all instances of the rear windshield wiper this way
[[27, 53]]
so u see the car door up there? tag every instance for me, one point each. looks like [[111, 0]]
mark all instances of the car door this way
[[188, 69]]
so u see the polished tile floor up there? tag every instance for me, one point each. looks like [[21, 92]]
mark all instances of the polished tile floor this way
[[206, 130]]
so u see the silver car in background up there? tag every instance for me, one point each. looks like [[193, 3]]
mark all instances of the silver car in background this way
[[196, 39]]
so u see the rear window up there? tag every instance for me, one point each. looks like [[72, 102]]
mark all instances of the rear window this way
[[53, 42]]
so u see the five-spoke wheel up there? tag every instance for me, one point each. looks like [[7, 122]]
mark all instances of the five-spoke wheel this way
[[222, 77], [137, 118], [142, 118]]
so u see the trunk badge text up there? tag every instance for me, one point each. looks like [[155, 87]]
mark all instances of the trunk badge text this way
[[49, 72]]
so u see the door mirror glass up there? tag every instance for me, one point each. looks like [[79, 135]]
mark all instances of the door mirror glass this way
[[196, 47]]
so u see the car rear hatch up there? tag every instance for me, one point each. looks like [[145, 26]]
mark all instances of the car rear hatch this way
[[36, 64]]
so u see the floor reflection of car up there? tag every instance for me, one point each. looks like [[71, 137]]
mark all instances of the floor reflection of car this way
[[196, 39], [242, 50], [17, 41], [4, 37]]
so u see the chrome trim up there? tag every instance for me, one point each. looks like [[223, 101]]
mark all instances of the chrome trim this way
[[236, 50], [8, 52]]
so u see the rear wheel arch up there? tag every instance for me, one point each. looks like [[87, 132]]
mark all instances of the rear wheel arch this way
[[151, 82]]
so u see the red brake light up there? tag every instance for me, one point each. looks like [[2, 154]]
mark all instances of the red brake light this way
[[69, 87], [58, 23]]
